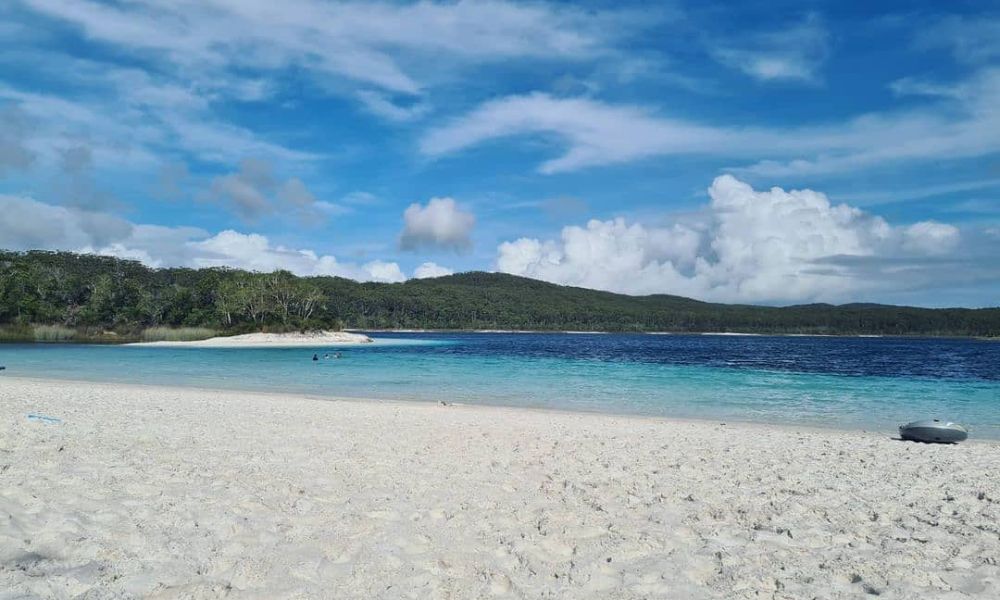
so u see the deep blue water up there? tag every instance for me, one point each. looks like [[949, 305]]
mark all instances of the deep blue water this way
[[871, 383]]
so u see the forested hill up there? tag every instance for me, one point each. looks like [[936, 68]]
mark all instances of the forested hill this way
[[103, 296]]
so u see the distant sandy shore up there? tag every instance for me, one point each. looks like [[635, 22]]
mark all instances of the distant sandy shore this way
[[129, 491], [273, 340]]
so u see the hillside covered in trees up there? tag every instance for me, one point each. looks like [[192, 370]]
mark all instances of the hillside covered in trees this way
[[88, 297]]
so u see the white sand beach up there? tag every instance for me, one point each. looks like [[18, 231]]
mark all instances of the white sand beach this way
[[273, 340], [155, 492]]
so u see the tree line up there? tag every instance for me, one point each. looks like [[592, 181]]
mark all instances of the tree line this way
[[124, 297]]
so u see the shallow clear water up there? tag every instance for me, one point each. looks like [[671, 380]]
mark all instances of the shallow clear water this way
[[872, 383]]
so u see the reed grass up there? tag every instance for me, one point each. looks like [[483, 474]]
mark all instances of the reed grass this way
[[176, 334], [16, 333], [52, 333]]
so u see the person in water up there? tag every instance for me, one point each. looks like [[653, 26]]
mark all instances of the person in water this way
[[315, 356], [339, 355]]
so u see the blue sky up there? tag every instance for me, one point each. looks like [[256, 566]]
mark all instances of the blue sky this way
[[773, 153]]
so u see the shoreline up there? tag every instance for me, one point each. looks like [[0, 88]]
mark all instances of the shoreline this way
[[221, 340], [145, 491], [679, 333], [788, 427], [268, 340]]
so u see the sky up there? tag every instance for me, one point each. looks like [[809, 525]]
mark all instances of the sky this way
[[771, 153]]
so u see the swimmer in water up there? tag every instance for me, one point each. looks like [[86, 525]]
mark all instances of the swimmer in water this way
[[315, 356]]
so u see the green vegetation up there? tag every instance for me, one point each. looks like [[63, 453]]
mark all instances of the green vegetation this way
[[176, 334], [52, 333], [57, 296]]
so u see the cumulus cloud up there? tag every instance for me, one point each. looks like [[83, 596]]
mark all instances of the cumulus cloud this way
[[791, 54], [429, 269], [255, 252], [928, 237], [27, 224], [752, 246], [439, 224]]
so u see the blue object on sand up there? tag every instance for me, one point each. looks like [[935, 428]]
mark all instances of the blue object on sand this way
[[45, 419]]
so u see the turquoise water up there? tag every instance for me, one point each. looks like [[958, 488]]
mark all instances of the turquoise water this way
[[837, 382]]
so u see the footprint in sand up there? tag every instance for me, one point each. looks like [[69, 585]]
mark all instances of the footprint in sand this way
[[500, 585]]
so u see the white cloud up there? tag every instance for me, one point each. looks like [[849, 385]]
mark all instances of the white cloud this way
[[132, 119], [378, 44], [928, 237], [971, 39], [914, 86], [255, 252], [27, 224], [428, 269], [376, 270], [440, 224], [596, 133], [967, 124], [752, 246], [792, 54], [380, 105]]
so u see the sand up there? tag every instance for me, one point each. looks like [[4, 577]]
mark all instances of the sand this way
[[153, 492], [309, 339]]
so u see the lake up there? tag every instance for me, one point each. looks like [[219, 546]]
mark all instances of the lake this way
[[843, 382]]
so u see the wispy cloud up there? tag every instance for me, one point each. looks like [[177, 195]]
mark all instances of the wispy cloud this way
[[131, 118], [379, 44], [970, 39], [596, 133], [792, 54], [964, 124], [381, 105]]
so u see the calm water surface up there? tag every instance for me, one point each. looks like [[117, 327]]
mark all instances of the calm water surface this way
[[871, 383]]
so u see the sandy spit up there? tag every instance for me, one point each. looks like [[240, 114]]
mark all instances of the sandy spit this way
[[154, 492], [272, 340]]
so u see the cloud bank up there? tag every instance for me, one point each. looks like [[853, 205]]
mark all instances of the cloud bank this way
[[749, 246], [27, 224]]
